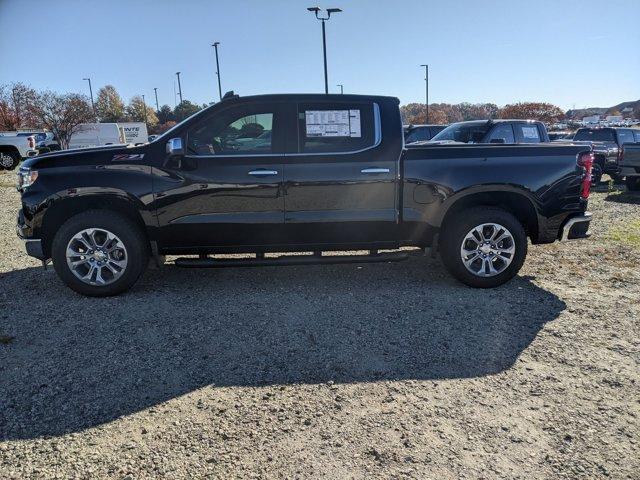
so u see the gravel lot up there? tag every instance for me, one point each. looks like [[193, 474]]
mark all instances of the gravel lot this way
[[350, 371]]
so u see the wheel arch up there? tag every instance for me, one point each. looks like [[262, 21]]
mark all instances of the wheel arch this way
[[62, 209], [518, 203]]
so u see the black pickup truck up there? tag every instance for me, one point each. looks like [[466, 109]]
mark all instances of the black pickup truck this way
[[297, 173]]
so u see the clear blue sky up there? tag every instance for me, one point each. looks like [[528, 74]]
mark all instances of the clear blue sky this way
[[582, 53]]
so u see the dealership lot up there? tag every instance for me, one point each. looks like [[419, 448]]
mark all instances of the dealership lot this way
[[377, 370]]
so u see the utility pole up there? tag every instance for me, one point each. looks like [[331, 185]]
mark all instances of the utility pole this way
[[155, 90], [341, 88], [144, 109], [316, 10], [179, 87], [93, 107], [426, 79], [215, 46]]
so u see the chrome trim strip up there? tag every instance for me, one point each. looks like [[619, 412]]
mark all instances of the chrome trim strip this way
[[375, 170], [259, 173]]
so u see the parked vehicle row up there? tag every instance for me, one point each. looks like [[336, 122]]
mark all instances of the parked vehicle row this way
[[332, 174]]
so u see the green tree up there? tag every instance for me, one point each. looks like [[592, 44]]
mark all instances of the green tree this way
[[135, 112], [185, 109], [109, 105], [166, 114]]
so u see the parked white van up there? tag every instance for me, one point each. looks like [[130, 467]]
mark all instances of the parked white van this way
[[135, 132], [96, 134]]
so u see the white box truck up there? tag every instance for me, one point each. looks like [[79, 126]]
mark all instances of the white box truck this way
[[135, 133]]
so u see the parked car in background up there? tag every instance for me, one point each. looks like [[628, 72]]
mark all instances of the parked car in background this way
[[45, 141], [630, 163], [421, 133], [494, 131], [333, 175], [97, 134], [606, 143], [14, 148], [561, 136]]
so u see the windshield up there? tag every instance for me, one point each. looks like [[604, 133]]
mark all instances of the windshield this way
[[464, 132], [595, 135]]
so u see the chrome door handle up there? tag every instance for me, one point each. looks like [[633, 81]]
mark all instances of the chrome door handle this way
[[374, 170], [262, 173]]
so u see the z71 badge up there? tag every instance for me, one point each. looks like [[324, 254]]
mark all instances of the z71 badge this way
[[127, 157]]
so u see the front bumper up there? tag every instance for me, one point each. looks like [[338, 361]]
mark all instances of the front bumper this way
[[576, 227], [33, 246]]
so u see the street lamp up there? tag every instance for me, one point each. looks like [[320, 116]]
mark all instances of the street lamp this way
[[179, 87], [316, 11], [155, 90], [341, 88], [215, 46], [93, 107], [426, 79], [144, 109]]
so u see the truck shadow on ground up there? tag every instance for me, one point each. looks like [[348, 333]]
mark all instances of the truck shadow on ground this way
[[632, 198], [78, 362]]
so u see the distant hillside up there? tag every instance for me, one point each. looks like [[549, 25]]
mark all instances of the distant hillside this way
[[615, 110]]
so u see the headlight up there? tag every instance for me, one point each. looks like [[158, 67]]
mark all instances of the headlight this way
[[26, 177]]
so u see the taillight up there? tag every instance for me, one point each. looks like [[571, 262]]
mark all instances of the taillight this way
[[620, 154], [585, 160], [32, 142]]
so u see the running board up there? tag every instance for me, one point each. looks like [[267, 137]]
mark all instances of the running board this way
[[288, 260]]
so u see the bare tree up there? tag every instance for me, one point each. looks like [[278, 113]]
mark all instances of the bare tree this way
[[62, 114]]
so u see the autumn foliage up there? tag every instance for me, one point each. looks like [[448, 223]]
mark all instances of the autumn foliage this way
[[445, 113]]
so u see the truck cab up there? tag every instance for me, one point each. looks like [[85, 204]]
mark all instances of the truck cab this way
[[494, 131]]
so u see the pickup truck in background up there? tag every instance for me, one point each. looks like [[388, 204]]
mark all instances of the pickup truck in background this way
[[14, 148], [630, 164], [330, 174], [421, 133], [494, 131], [606, 143], [45, 141]]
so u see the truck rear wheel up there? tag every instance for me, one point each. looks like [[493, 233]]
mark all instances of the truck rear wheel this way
[[633, 184], [9, 160], [99, 253], [483, 247]]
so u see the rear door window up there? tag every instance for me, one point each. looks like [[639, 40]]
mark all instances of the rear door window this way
[[527, 133], [625, 136], [502, 131], [335, 127]]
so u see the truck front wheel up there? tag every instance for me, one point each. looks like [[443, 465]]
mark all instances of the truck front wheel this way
[[483, 247], [99, 253]]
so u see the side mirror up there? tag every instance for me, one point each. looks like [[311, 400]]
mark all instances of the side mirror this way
[[174, 147], [498, 140]]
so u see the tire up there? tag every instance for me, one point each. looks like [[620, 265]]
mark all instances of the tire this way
[[596, 175], [633, 184], [119, 269], [9, 160], [505, 256]]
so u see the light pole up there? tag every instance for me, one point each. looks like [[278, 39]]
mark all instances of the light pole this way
[[179, 87], [317, 10], [341, 88], [426, 79], [215, 46], [144, 109], [93, 107], [155, 90]]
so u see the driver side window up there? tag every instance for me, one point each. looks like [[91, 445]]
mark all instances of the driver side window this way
[[232, 132]]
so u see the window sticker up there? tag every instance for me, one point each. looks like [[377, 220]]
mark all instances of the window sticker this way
[[333, 123], [530, 132]]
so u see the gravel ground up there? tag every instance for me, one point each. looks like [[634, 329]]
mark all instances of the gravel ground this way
[[350, 371]]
